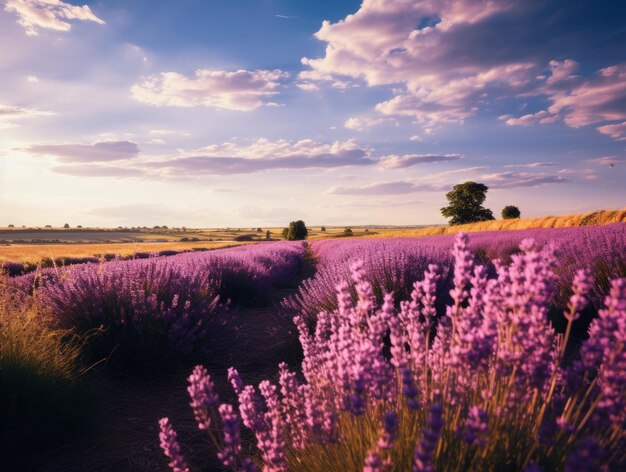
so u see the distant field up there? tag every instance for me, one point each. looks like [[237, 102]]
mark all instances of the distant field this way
[[583, 219], [36, 252]]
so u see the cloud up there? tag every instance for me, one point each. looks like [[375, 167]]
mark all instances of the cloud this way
[[511, 179], [611, 161], [97, 152], [581, 101], [532, 165], [360, 124], [241, 90], [48, 14], [398, 187], [616, 131], [541, 117], [230, 158], [10, 113], [448, 60], [95, 170], [307, 86], [408, 160]]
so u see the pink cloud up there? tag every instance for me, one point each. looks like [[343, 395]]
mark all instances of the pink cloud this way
[[409, 160], [49, 14], [241, 90], [616, 131]]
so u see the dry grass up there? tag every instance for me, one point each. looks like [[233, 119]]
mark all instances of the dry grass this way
[[35, 252], [583, 219]]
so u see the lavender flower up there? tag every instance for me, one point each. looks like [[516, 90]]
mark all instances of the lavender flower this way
[[229, 455], [423, 455], [589, 455], [373, 462], [390, 430], [203, 398], [171, 448]]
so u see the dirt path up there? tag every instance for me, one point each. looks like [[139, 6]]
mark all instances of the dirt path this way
[[125, 438]]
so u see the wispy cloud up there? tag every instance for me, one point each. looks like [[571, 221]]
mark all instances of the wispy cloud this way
[[398, 187], [49, 14], [97, 152], [241, 90], [286, 17], [408, 160], [511, 179]]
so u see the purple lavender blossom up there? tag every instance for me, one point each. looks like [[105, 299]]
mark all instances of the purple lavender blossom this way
[[476, 427], [423, 455], [373, 462], [409, 390], [588, 455], [171, 448], [229, 455], [203, 397], [390, 430]]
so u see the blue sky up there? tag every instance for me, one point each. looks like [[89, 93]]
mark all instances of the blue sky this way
[[255, 113]]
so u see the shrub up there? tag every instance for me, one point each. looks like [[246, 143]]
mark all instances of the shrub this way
[[297, 231], [484, 387], [347, 232], [510, 212], [45, 398], [244, 237]]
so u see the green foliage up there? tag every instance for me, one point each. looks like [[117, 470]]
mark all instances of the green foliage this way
[[297, 231], [323, 228], [510, 212], [268, 235], [465, 204], [285, 233], [347, 232]]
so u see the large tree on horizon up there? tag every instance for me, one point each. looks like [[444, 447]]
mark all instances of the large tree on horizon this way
[[465, 204]]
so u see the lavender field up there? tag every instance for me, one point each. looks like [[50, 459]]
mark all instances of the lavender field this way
[[499, 351]]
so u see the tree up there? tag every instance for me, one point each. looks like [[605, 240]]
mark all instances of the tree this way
[[466, 202], [348, 232], [285, 232], [297, 231], [66, 226], [510, 212], [323, 228], [268, 235]]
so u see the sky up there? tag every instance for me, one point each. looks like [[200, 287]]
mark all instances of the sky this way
[[204, 113]]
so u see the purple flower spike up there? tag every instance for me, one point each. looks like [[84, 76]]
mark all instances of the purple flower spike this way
[[589, 455], [373, 462], [423, 455], [232, 446], [203, 398], [170, 446], [390, 430]]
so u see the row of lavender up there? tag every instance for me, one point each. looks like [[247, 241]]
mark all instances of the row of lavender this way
[[486, 386], [164, 306], [393, 264]]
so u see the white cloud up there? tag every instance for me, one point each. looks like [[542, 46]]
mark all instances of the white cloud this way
[[48, 14], [103, 151], [241, 90], [10, 113], [360, 124], [32, 79]]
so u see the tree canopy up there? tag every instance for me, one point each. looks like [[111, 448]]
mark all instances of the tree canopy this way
[[510, 212], [465, 204], [297, 231]]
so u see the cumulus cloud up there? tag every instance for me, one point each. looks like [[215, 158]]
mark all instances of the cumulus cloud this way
[[581, 101], [419, 44], [393, 161], [448, 60], [97, 152], [48, 14], [511, 179], [399, 187], [241, 90], [616, 131], [230, 158], [360, 124]]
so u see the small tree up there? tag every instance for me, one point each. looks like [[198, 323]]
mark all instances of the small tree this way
[[465, 206], [510, 212], [11, 226], [323, 228], [268, 235], [297, 231], [66, 226], [347, 232], [285, 233]]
